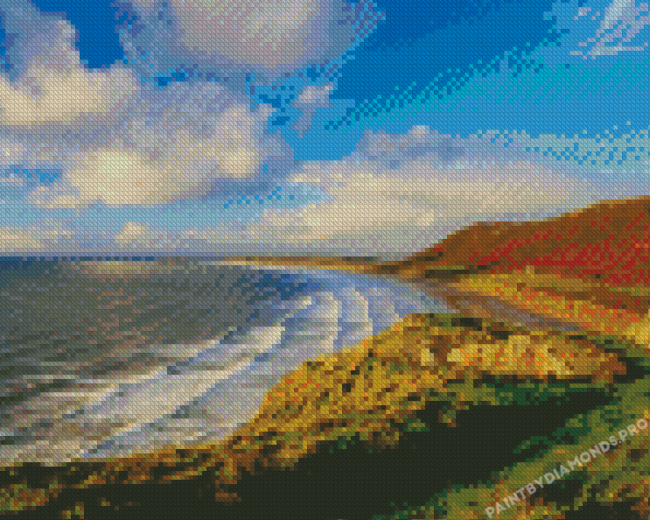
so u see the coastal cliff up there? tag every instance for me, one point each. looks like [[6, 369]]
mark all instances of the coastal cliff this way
[[581, 281]]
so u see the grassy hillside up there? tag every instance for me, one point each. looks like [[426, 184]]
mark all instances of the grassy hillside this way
[[369, 394], [588, 269], [434, 373], [598, 256]]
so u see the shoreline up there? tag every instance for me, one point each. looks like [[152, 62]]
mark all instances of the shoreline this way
[[429, 348], [246, 449]]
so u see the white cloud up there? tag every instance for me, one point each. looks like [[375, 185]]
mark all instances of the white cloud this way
[[131, 231], [54, 87], [402, 193], [11, 181], [153, 147], [394, 194], [310, 100], [36, 239], [136, 237], [113, 176], [621, 23], [376, 210], [180, 143], [11, 152], [63, 96], [274, 36]]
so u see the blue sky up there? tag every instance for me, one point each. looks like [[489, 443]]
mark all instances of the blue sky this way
[[340, 128]]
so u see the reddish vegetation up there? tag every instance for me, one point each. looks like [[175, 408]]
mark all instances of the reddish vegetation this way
[[604, 245]]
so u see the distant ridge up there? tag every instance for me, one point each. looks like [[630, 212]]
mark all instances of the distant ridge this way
[[609, 241], [598, 255]]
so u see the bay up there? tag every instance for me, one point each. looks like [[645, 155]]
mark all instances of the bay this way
[[109, 359]]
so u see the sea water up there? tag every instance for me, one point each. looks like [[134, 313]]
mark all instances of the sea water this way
[[94, 367]]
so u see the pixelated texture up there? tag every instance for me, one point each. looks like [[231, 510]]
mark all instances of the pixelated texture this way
[[324, 259]]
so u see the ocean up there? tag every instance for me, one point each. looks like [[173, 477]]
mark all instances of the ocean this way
[[100, 364]]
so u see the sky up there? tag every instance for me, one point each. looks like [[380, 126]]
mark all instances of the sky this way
[[335, 127]]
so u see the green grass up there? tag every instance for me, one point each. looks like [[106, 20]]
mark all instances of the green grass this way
[[390, 380], [623, 476]]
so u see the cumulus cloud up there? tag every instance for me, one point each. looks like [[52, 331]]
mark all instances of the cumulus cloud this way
[[113, 176], [621, 23], [310, 100], [375, 210], [11, 152], [53, 87], [49, 96], [131, 231], [37, 239], [186, 139], [117, 142], [394, 194], [400, 193], [271, 37]]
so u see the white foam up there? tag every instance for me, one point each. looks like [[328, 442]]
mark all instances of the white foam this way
[[202, 392]]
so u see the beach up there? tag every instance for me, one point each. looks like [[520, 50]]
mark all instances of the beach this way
[[85, 376], [338, 367]]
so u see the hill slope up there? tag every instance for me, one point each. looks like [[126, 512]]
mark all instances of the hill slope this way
[[590, 268]]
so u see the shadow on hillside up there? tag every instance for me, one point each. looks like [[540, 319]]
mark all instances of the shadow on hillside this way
[[351, 483]]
